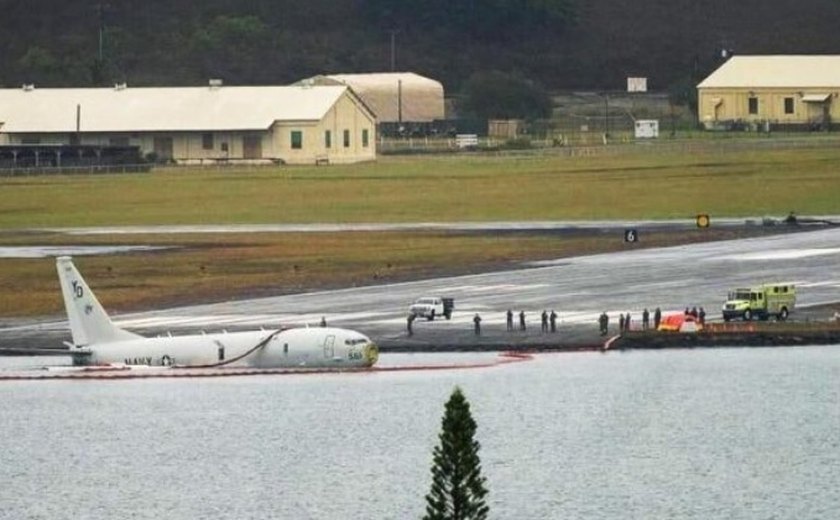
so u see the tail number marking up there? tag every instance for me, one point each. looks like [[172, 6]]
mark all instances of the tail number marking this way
[[77, 289]]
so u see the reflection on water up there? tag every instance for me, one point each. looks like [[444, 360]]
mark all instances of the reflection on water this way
[[705, 434]]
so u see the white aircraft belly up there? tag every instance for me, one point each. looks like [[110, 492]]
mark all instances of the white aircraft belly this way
[[182, 351]]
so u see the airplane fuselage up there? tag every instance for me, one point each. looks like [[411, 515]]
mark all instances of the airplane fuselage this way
[[301, 347]]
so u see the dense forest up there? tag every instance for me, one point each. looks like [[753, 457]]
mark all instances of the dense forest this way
[[562, 44]]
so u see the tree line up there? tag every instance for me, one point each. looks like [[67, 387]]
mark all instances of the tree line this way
[[550, 44]]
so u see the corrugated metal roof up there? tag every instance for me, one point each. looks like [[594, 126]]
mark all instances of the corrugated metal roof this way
[[781, 71], [171, 109], [387, 79], [422, 97]]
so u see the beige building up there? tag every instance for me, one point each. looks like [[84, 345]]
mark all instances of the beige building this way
[[293, 124], [393, 96], [772, 91]]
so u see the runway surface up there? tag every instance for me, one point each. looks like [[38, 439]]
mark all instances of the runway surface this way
[[545, 225], [577, 288]]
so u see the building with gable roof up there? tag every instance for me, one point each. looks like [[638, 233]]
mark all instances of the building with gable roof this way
[[188, 125], [772, 91]]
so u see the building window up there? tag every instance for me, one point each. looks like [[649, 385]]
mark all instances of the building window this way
[[118, 141], [297, 139], [347, 138], [753, 105], [365, 137], [328, 139], [207, 141], [788, 105]]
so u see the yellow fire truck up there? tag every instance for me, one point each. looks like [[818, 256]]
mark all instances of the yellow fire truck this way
[[762, 302]]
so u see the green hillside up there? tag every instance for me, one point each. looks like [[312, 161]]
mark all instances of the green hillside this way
[[591, 44]]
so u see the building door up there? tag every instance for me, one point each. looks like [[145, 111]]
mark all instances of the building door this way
[[329, 347], [252, 147], [163, 147]]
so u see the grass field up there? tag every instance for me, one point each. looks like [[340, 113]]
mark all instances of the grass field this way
[[477, 188], [474, 188]]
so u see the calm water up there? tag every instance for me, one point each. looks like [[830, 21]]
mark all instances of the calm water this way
[[701, 434]]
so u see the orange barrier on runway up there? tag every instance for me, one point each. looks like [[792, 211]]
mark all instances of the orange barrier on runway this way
[[731, 327], [119, 373], [675, 322]]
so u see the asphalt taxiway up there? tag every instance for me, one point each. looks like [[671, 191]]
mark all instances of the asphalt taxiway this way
[[577, 288]]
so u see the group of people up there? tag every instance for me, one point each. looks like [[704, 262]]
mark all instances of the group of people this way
[[548, 322], [698, 315], [625, 321]]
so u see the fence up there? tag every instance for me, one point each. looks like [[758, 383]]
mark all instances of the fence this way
[[74, 170], [615, 145]]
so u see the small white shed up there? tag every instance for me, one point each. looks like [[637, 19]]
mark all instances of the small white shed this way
[[647, 129]]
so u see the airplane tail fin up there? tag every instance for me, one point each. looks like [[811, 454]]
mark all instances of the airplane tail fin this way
[[89, 323]]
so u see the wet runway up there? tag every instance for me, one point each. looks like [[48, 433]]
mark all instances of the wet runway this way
[[577, 288]]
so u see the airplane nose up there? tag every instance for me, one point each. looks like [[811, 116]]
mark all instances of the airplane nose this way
[[371, 353]]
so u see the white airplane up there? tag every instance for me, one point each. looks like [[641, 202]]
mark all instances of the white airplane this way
[[97, 341]]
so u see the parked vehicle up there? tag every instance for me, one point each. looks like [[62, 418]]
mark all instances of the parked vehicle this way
[[762, 302], [431, 306]]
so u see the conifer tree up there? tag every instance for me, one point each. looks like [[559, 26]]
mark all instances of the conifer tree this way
[[457, 485]]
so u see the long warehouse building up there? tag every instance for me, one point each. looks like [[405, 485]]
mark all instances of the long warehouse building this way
[[190, 125]]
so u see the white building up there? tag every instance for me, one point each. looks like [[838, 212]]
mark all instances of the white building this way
[[292, 124], [393, 96], [772, 91]]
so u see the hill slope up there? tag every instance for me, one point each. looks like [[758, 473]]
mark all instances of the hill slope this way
[[591, 44]]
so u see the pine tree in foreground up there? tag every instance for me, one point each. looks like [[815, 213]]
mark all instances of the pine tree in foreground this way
[[457, 485]]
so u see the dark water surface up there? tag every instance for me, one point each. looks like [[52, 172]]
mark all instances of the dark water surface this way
[[700, 434]]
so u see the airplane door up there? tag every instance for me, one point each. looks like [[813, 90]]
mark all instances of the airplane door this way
[[329, 347]]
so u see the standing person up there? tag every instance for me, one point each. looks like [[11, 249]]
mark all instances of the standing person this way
[[657, 317], [621, 322], [645, 319], [521, 320], [544, 321], [602, 323], [553, 319], [409, 322], [323, 321], [509, 320], [702, 316], [627, 322], [477, 321], [694, 312]]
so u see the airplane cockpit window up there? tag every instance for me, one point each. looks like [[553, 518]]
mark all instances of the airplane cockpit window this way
[[355, 341]]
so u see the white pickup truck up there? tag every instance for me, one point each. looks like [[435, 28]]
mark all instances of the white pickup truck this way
[[431, 306]]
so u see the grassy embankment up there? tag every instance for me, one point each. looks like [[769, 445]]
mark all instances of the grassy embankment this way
[[391, 190]]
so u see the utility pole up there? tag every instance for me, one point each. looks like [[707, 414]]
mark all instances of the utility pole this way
[[101, 10], [393, 50], [606, 116]]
